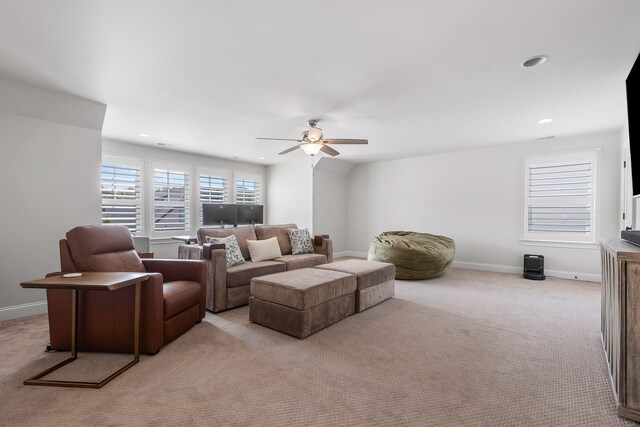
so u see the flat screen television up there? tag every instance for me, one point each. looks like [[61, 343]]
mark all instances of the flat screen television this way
[[633, 111], [250, 214], [219, 214]]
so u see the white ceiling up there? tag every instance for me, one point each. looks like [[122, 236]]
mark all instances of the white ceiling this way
[[413, 76]]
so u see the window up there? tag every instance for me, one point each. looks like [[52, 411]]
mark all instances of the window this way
[[121, 200], [160, 200], [560, 197], [170, 200], [247, 191], [212, 188]]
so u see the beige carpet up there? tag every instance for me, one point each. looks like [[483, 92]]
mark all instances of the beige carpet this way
[[471, 348]]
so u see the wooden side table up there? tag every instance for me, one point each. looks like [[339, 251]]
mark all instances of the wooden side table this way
[[89, 281]]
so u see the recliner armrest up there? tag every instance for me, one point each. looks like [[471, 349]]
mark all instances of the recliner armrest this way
[[177, 269], [181, 269]]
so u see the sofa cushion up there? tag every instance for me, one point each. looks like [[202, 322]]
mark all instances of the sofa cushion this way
[[179, 295], [300, 241], [242, 235], [295, 262], [264, 250], [242, 274], [304, 288], [280, 231], [232, 250]]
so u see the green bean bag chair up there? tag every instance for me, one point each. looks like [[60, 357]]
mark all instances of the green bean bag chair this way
[[415, 255]]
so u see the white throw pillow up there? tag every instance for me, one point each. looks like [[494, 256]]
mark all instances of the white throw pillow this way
[[263, 250]]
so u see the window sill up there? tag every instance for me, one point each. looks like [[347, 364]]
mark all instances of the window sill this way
[[164, 241], [560, 244]]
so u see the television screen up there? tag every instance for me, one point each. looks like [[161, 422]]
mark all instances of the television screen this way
[[633, 110], [219, 214], [250, 214]]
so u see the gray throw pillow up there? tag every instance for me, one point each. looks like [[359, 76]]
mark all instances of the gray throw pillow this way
[[234, 255], [300, 241]]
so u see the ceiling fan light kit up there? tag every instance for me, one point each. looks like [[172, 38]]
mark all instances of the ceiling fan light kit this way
[[311, 148], [312, 141]]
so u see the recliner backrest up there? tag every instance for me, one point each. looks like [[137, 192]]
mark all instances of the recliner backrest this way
[[107, 247]]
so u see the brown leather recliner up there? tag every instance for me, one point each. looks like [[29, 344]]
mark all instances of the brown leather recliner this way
[[173, 299]]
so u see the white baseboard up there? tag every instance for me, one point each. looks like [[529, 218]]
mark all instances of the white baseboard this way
[[22, 310], [350, 253], [589, 277], [487, 267]]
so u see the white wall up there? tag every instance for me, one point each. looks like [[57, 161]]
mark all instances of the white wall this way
[[476, 197], [49, 168], [165, 247], [330, 201], [290, 194]]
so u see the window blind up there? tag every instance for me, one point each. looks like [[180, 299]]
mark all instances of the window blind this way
[[121, 200], [560, 197]]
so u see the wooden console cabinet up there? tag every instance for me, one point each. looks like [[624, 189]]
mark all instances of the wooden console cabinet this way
[[620, 322]]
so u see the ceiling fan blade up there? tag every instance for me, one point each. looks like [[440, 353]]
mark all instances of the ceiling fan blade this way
[[330, 151], [345, 141], [288, 150], [282, 139]]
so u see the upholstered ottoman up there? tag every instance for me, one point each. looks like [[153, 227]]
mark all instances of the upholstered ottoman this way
[[376, 280], [301, 302]]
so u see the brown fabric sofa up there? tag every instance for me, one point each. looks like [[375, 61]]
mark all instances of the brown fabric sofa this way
[[173, 299], [230, 287]]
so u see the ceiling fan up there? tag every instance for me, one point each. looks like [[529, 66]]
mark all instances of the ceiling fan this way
[[313, 142]]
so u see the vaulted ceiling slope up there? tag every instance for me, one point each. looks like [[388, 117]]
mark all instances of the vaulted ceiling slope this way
[[412, 76]]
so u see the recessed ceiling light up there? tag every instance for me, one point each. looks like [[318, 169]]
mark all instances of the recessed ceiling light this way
[[535, 61], [262, 158], [543, 121], [144, 135]]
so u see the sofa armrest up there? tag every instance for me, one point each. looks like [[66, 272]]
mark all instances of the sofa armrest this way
[[190, 252], [217, 280], [207, 248], [326, 248]]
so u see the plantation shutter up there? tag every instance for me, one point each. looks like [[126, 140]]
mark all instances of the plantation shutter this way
[[121, 199], [171, 200], [213, 189], [247, 191]]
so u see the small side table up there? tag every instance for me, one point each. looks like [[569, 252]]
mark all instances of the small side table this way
[[89, 281]]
